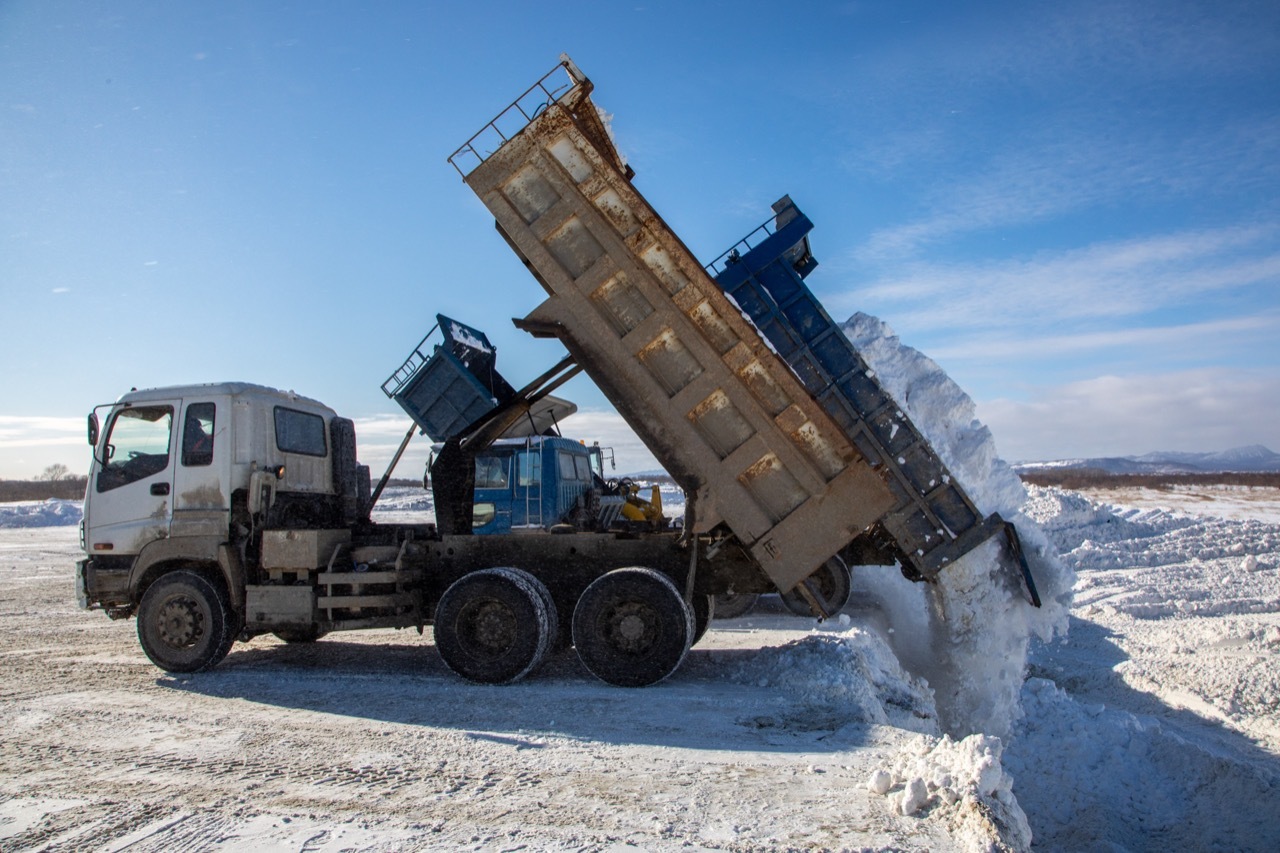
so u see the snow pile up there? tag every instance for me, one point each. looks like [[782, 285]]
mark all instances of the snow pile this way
[[404, 499], [963, 782], [980, 624], [1101, 536], [852, 674], [54, 512], [1095, 777]]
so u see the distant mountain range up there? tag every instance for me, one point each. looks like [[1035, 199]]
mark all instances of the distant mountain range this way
[[1254, 458]]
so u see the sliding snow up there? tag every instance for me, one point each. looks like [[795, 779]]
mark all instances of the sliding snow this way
[[968, 634]]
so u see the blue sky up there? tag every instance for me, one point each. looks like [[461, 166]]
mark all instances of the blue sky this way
[[1074, 207]]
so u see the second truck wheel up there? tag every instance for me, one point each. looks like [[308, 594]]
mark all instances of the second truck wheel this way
[[632, 627]]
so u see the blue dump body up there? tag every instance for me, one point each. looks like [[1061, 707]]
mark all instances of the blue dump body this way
[[934, 521], [453, 386], [530, 482]]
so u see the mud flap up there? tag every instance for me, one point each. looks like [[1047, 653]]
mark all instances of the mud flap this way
[[1015, 551]]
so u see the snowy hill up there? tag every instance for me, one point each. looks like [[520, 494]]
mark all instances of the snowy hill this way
[[1253, 458]]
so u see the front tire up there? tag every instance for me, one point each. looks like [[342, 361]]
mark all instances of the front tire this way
[[185, 622], [632, 627]]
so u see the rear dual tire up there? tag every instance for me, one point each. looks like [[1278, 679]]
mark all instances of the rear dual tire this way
[[495, 626], [632, 627], [833, 588]]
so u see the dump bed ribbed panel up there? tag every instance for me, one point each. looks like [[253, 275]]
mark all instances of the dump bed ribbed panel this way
[[934, 521], [725, 416]]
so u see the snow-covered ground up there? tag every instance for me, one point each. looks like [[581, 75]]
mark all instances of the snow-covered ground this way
[[1137, 710], [1152, 726]]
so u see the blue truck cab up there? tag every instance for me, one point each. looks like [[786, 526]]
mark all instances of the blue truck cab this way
[[532, 483]]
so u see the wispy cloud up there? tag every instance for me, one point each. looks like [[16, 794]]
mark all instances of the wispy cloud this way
[[30, 431], [1066, 164], [1009, 119], [1200, 410], [1204, 337], [1121, 279], [29, 444]]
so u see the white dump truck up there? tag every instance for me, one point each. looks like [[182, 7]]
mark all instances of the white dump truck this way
[[222, 512]]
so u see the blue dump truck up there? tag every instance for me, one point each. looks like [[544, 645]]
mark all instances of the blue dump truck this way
[[217, 513]]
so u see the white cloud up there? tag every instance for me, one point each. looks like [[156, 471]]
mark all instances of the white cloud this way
[[29, 444], [32, 431], [608, 428], [1205, 338], [1116, 279], [1198, 410]]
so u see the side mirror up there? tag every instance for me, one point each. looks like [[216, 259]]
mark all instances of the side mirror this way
[[93, 429]]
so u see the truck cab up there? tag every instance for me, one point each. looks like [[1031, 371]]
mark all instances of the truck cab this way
[[531, 483], [179, 472]]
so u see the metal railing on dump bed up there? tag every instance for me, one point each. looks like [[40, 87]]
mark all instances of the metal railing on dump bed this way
[[515, 117]]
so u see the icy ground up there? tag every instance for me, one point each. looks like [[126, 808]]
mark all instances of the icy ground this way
[[1153, 726]]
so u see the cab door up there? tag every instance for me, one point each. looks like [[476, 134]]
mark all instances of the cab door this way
[[201, 507], [492, 511], [131, 492]]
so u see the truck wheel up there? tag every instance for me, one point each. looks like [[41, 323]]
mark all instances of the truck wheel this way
[[833, 587], [704, 610], [553, 613], [309, 634], [185, 623], [632, 627], [492, 626], [732, 605]]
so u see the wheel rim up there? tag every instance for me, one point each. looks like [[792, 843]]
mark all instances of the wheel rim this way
[[181, 622], [490, 627], [631, 627]]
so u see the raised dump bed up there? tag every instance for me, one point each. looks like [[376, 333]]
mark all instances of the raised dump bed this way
[[729, 420], [933, 521]]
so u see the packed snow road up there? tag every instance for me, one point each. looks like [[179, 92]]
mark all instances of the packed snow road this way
[[1155, 725], [365, 741]]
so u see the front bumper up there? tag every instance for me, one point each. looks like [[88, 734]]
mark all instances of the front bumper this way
[[102, 584], [82, 589]]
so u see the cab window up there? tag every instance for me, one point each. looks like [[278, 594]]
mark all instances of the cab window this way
[[529, 463], [300, 432], [568, 471], [137, 446], [197, 435], [492, 472]]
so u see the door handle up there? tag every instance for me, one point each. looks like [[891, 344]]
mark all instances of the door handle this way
[[159, 489]]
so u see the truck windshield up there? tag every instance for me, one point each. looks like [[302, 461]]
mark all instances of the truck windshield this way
[[492, 472], [137, 446]]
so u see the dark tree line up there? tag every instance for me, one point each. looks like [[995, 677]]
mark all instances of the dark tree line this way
[[68, 488]]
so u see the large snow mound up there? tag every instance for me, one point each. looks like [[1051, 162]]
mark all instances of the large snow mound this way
[[963, 782], [54, 512], [851, 676], [1096, 777], [979, 625]]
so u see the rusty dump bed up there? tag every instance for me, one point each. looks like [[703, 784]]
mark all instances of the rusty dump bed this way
[[726, 417]]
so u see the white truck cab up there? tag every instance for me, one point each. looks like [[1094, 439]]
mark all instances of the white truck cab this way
[[175, 470]]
